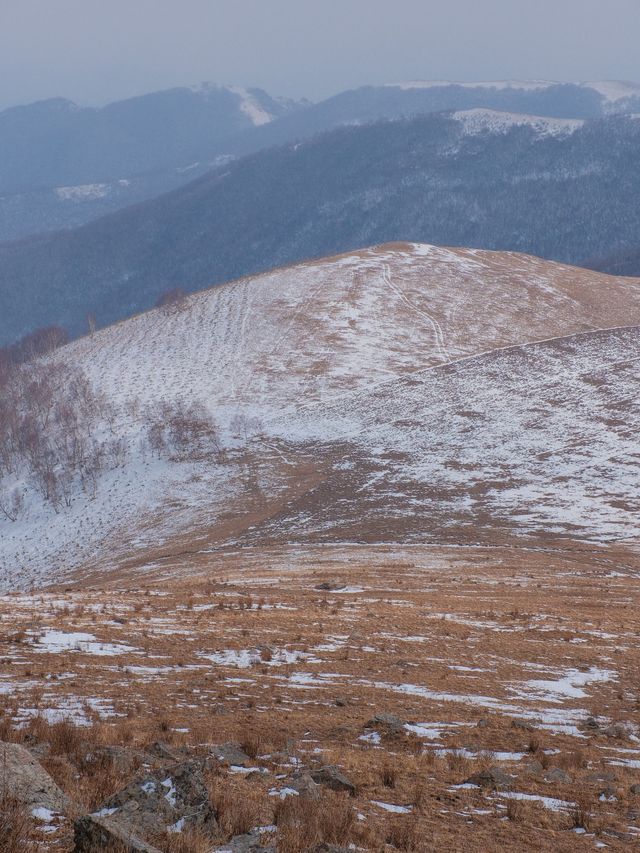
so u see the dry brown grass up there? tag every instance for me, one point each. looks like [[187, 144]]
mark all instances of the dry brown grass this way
[[16, 826], [303, 823], [187, 841], [238, 810], [405, 833], [272, 712]]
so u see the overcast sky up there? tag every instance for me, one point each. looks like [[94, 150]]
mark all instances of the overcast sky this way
[[98, 50]]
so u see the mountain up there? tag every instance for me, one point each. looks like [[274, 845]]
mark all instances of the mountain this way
[[62, 165], [402, 393], [561, 189], [400, 100]]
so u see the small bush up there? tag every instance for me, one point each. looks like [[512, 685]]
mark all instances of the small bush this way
[[389, 776]]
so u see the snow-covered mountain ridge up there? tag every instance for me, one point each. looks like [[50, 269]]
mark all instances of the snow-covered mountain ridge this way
[[493, 121], [612, 92]]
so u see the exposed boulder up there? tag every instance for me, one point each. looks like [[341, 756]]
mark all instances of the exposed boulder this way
[[160, 750], [230, 753], [590, 724], [635, 790], [523, 725], [557, 774], [173, 798], [617, 731], [249, 843], [389, 722], [93, 832], [330, 848], [331, 777], [601, 776], [302, 782], [608, 794], [28, 781], [493, 778]]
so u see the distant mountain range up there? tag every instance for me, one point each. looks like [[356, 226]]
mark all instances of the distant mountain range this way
[[564, 189], [62, 165]]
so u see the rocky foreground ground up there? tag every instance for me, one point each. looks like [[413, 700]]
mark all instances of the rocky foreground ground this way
[[338, 698]]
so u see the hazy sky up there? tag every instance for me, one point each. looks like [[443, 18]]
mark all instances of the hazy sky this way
[[98, 50]]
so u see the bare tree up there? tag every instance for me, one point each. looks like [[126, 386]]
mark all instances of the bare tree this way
[[12, 504]]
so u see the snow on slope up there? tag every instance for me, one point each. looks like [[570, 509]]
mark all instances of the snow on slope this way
[[289, 347], [493, 121], [524, 440], [615, 90], [251, 107], [305, 333], [249, 101]]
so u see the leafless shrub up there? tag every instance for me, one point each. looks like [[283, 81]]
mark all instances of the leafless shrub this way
[[582, 813], [11, 504], [534, 744], [389, 776], [514, 810], [181, 429], [49, 414], [172, 300], [244, 426]]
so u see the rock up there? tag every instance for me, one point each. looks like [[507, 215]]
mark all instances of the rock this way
[[390, 722], [601, 776], [608, 795], [126, 761], [330, 848], [590, 724], [28, 781], [534, 768], [522, 725], [635, 790], [302, 782], [557, 774], [92, 833], [340, 703], [245, 844], [230, 753], [330, 586], [617, 731], [164, 752], [174, 797], [483, 723], [493, 778], [331, 777]]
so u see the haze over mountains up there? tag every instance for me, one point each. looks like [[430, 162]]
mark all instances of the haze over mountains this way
[[62, 165], [563, 189]]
